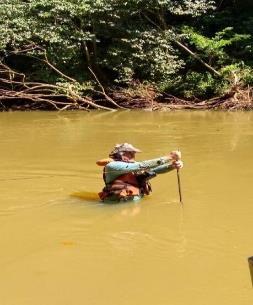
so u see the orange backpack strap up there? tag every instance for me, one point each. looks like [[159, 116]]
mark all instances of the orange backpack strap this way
[[104, 162]]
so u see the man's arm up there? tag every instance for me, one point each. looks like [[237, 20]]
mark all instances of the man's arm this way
[[165, 168], [117, 168]]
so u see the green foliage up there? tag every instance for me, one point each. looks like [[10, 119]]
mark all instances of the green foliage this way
[[238, 72], [215, 49], [121, 36], [195, 85], [146, 55], [69, 89], [128, 40]]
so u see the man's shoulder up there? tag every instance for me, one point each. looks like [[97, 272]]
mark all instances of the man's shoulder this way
[[118, 164], [115, 163]]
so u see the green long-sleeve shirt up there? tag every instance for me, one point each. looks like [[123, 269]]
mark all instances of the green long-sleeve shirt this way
[[115, 169]]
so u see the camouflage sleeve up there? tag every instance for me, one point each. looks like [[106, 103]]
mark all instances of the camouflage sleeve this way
[[161, 169], [150, 164], [117, 168]]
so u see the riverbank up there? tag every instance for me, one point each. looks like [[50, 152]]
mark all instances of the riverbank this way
[[40, 97], [236, 99]]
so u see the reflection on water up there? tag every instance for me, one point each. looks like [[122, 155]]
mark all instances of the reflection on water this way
[[60, 249]]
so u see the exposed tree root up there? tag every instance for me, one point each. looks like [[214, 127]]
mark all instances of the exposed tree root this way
[[18, 94], [237, 99], [35, 99]]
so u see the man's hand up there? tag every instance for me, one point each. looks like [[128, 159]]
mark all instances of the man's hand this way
[[177, 164], [175, 155]]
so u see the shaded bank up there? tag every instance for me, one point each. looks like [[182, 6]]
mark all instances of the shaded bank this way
[[35, 96], [18, 93], [236, 99]]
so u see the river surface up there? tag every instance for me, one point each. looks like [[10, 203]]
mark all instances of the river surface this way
[[60, 250]]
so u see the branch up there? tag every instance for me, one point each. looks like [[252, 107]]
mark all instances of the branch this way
[[87, 53], [56, 70], [180, 44], [45, 60], [198, 58], [87, 101], [11, 73], [40, 86], [41, 92], [103, 91]]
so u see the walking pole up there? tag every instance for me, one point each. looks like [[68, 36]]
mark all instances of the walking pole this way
[[179, 187], [178, 180]]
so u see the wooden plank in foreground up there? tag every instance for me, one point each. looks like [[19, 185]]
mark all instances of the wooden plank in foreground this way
[[250, 260]]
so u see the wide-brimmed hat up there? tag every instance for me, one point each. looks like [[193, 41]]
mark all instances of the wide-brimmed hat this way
[[124, 147]]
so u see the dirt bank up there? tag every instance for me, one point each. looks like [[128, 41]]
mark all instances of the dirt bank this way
[[41, 97]]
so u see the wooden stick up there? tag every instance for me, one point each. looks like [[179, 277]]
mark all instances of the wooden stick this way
[[178, 180], [179, 187]]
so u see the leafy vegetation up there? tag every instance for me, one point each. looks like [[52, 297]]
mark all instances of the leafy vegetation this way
[[188, 48]]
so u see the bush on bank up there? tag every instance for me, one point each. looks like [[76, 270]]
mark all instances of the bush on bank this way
[[187, 48]]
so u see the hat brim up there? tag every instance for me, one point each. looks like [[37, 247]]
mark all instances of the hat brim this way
[[131, 149], [125, 147], [136, 150]]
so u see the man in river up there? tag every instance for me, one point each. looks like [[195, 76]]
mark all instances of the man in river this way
[[126, 179]]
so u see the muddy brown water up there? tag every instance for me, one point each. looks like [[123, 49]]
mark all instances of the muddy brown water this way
[[57, 249]]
